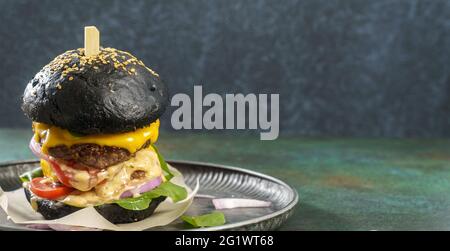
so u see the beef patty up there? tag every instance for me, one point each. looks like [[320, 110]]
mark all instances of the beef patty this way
[[92, 155]]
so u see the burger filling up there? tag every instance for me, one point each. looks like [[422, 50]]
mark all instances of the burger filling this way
[[92, 170], [109, 184], [55, 137]]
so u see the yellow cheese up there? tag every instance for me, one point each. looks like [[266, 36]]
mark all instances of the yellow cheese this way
[[47, 170], [117, 180], [51, 136]]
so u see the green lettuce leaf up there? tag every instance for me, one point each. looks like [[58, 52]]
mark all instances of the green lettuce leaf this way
[[168, 189], [167, 173], [207, 220], [28, 176]]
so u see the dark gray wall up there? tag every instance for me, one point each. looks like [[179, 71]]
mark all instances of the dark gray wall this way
[[361, 68]]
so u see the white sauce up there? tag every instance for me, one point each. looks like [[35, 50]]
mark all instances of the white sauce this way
[[115, 180]]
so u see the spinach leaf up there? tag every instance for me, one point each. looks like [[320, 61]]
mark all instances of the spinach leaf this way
[[207, 220], [28, 176], [167, 173], [168, 189]]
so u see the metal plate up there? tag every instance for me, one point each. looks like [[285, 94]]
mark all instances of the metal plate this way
[[216, 180]]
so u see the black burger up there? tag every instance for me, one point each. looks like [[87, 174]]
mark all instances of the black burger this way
[[95, 122]]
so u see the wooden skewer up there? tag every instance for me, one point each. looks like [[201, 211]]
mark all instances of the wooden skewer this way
[[91, 41]]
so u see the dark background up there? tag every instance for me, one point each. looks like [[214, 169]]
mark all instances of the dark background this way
[[342, 68]]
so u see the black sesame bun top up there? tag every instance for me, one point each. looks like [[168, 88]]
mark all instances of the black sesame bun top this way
[[111, 92]]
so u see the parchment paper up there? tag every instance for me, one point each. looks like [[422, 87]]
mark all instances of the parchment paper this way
[[19, 211]]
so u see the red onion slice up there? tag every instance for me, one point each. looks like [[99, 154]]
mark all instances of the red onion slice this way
[[143, 188], [61, 227], [228, 203], [39, 226], [36, 149], [205, 196]]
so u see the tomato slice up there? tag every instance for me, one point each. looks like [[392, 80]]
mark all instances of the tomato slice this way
[[62, 177], [48, 189]]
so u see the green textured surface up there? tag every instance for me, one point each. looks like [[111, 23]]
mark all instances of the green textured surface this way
[[343, 184]]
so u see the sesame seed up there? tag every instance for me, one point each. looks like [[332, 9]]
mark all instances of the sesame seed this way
[[64, 63]]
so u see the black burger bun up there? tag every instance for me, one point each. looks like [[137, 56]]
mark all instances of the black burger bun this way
[[114, 213], [111, 92]]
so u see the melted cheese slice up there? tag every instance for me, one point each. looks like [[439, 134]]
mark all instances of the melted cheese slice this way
[[51, 136], [115, 180]]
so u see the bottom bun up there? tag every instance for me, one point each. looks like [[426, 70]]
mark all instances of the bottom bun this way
[[114, 213]]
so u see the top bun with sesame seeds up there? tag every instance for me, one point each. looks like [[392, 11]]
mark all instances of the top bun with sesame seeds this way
[[111, 92]]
